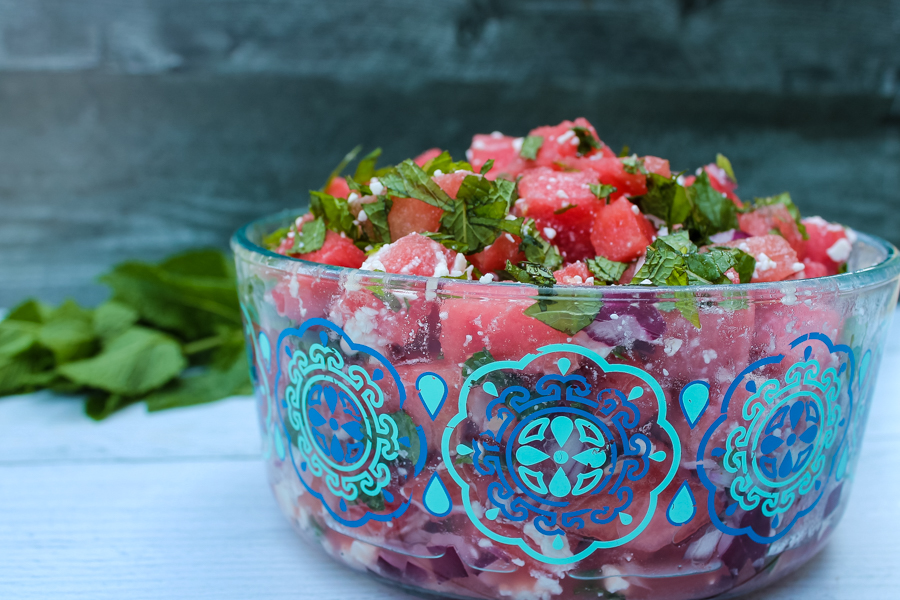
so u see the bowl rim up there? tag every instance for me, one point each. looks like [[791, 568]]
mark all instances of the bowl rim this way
[[874, 275]]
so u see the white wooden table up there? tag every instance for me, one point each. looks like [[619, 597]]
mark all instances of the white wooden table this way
[[176, 505]]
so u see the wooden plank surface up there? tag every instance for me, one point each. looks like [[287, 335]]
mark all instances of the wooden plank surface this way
[[176, 505]]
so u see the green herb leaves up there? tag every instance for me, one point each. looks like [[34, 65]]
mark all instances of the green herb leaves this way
[[602, 190], [533, 273], [310, 238], [699, 208], [587, 141], [605, 271], [783, 199], [479, 214], [530, 147], [162, 318], [569, 315]]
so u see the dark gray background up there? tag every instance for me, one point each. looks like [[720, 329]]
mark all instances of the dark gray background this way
[[134, 128]]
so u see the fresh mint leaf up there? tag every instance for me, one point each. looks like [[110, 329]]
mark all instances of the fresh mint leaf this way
[[348, 158], [679, 241], [273, 240], [605, 271], [532, 273], [310, 238], [68, 333], [365, 169], [586, 140], [664, 265], [487, 166], [569, 315], [211, 385], [634, 165], [723, 163], [530, 146], [711, 212], [132, 364], [375, 503], [335, 212], [112, 318], [710, 267], [479, 213], [563, 209], [16, 337], [602, 190], [685, 303], [444, 163], [665, 199], [377, 214], [625, 151], [30, 310], [536, 248], [408, 180], [406, 427]]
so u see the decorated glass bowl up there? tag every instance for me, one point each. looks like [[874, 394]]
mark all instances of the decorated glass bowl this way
[[688, 443]]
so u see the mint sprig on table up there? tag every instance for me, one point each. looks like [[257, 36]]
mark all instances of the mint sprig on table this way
[[169, 336]]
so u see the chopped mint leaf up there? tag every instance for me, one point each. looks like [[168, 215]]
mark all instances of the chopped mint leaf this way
[[377, 215], [586, 140], [563, 209], [605, 271], [530, 146], [710, 267], [536, 248], [685, 303], [602, 190], [533, 273], [711, 211], [463, 460], [665, 199], [406, 427], [348, 158], [664, 264], [487, 166], [335, 212], [310, 238], [625, 151], [365, 170], [444, 163], [375, 503], [785, 200], [633, 164], [409, 180], [678, 241], [569, 315], [476, 361], [723, 163], [479, 213]]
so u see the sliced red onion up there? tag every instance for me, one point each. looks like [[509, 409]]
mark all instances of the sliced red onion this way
[[728, 236], [622, 323]]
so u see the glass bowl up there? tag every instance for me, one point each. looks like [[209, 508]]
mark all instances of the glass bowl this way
[[682, 443]]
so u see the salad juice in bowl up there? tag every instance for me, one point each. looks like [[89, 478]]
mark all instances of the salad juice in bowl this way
[[553, 372]]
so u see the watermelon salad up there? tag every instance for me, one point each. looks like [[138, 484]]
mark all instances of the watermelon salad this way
[[559, 207], [408, 399]]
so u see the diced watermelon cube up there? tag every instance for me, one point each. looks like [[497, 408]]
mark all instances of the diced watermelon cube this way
[[814, 269], [563, 207], [560, 142], [764, 219], [338, 188], [657, 165], [611, 171], [829, 243], [503, 150], [409, 215], [775, 259], [621, 232], [416, 254], [494, 257], [337, 250], [575, 273]]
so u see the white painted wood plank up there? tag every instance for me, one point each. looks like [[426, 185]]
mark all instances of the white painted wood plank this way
[[48, 428]]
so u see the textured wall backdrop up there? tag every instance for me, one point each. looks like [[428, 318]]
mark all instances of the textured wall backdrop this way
[[135, 128]]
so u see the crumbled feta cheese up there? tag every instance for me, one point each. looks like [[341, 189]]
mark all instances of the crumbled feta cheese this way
[[613, 584], [665, 372], [437, 172], [443, 315], [294, 287], [561, 194], [376, 186], [487, 278], [517, 144], [614, 317], [549, 233], [469, 154], [352, 197], [459, 265], [671, 346], [565, 137], [709, 356], [509, 237], [840, 251], [496, 135], [646, 282], [680, 180], [763, 263], [589, 281], [479, 145], [468, 341], [298, 223], [291, 234], [362, 217], [797, 267], [511, 217]]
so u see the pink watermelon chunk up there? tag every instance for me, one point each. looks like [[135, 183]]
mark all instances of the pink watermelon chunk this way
[[423, 158], [503, 150], [775, 259], [829, 244], [657, 165], [575, 273], [561, 144], [416, 254], [494, 257], [762, 220], [563, 206], [620, 232], [338, 188], [337, 250], [409, 215]]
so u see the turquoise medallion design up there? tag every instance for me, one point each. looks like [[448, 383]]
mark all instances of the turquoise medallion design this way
[[342, 441], [783, 445], [559, 452]]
